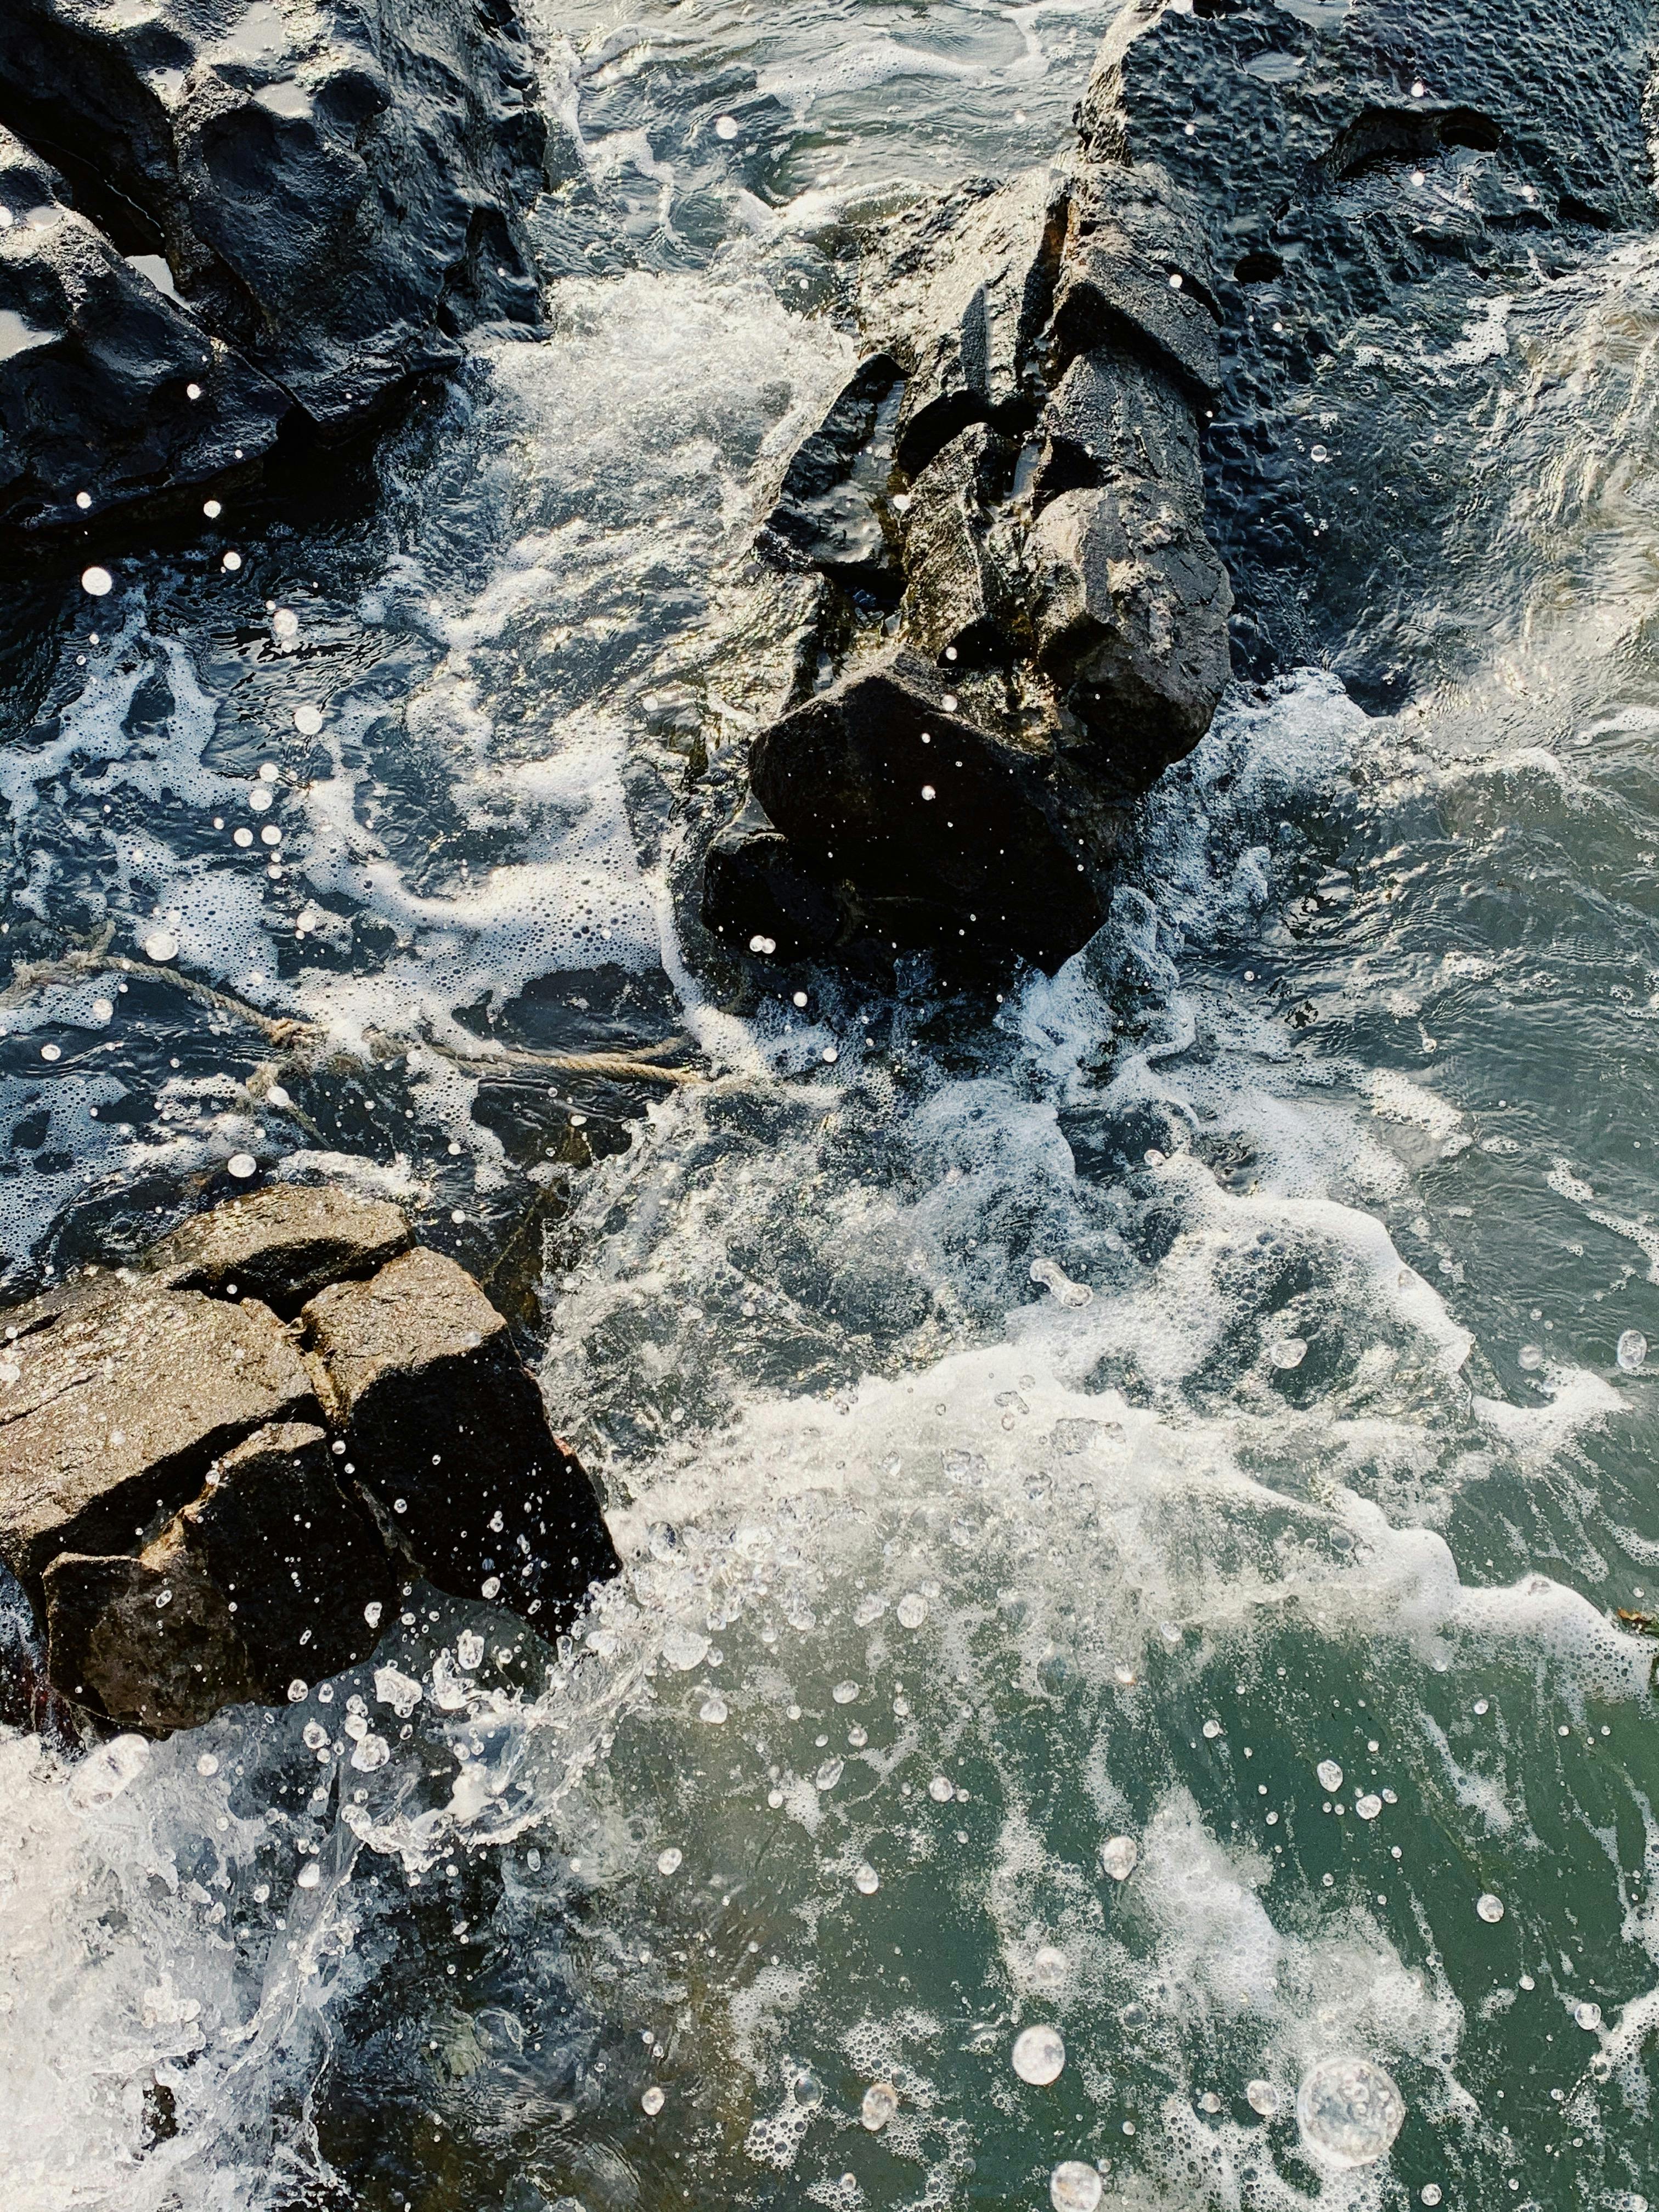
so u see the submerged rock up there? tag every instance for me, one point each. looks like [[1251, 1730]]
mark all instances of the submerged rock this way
[[318, 201], [202, 1502]]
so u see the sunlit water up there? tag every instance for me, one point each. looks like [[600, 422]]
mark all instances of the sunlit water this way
[[1123, 1483]]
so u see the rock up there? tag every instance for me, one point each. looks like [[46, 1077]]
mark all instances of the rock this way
[[1108, 292], [1110, 416], [932, 826], [979, 307], [271, 1573], [826, 513], [446, 1431], [125, 1397], [757, 892], [1132, 620], [97, 365], [959, 593], [335, 193], [281, 1245]]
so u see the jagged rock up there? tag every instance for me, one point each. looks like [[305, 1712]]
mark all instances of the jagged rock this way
[[1110, 416], [1111, 293], [957, 593], [976, 315], [335, 192], [281, 1245], [97, 365], [933, 828], [271, 1573], [122, 1398], [826, 514], [1132, 620], [755, 891], [183, 1524], [446, 1431]]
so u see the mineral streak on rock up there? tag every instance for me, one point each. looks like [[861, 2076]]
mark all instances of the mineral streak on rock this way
[[293, 210], [200, 1501]]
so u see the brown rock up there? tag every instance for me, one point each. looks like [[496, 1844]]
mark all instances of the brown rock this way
[[281, 1245], [446, 1431]]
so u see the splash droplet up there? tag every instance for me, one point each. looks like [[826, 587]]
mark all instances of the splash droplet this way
[[1039, 2056], [1349, 2110], [97, 583], [1073, 2186], [880, 2103], [1118, 1858]]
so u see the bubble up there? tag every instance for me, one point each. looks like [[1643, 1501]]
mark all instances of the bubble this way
[[259, 799], [1048, 1967], [207, 1764], [1329, 1773], [713, 1709], [1039, 2056], [97, 583], [912, 1609], [880, 2103], [106, 1773], [727, 126], [315, 1736], [161, 945], [844, 1693], [374, 1609], [370, 1751], [807, 2091], [828, 1774], [941, 1789], [670, 1862], [1262, 2098], [684, 1648], [1349, 2110], [242, 1164], [285, 622], [1288, 1352], [1430, 2192], [1074, 2186], [1531, 1355], [652, 2101], [866, 1881], [307, 721], [103, 1010], [1588, 2015], [1319, 454], [1367, 1807], [1488, 1907], [233, 562], [310, 1875], [470, 1649], [1119, 1856], [1211, 1729], [1632, 1350], [52, 1052], [297, 1690]]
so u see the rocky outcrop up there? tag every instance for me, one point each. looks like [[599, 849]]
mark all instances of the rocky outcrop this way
[[202, 1500], [1022, 617], [226, 226]]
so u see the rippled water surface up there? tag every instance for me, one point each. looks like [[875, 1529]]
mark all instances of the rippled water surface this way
[[1286, 1553]]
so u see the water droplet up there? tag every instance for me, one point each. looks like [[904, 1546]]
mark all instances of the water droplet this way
[[727, 126], [370, 1751], [670, 1862], [1054, 1278], [1211, 1729], [212, 509], [652, 2101], [1532, 1355], [880, 2103], [307, 721], [285, 622], [297, 1690], [1118, 1858], [1632, 1350], [941, 1790], [161, 945], [242, 1164], [1488, 1907], [97, 583], [1367, 1807], [1319, 454], [1261, 2097], [844, 1693], [1048, 1967], [1429, 2193], [1039, 2056], [106, 1773], [1349, 2110], [1288, 1352], [807, 2091], [866, 1881], [1588, 2015], [828, 1774], [685, 1649], [1329, 1773], [912, 1609], [233, 560], [1074, 2186], [207, 1764], [310, 1875], [713, 1710], [52, 1052]]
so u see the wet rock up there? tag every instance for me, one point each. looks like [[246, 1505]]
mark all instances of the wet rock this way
[[123, 1398], [1111, 294], [281, 1245], [1132, 622], [757, 892], [1110, 416], [334, 193], [446, 1431], [826, 514], [930, 825], [959, 597], [272, 1573], [98, 364]]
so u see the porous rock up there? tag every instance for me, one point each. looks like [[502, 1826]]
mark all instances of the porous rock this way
[[334, 192], [447, 1430], [281, 1245]]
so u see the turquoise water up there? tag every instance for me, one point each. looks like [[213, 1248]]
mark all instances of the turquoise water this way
[[941, 1577]]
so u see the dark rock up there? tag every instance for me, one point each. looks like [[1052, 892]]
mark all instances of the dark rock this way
[[935, 828], [336, 191], [271, 1573], [1109, 294], [447, 1432], [124, 1399], [1110, 416], [757, 892], [959, 593], [1132, 620], [980, 309], [826, 513], [97, 365], [280, 1246]]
